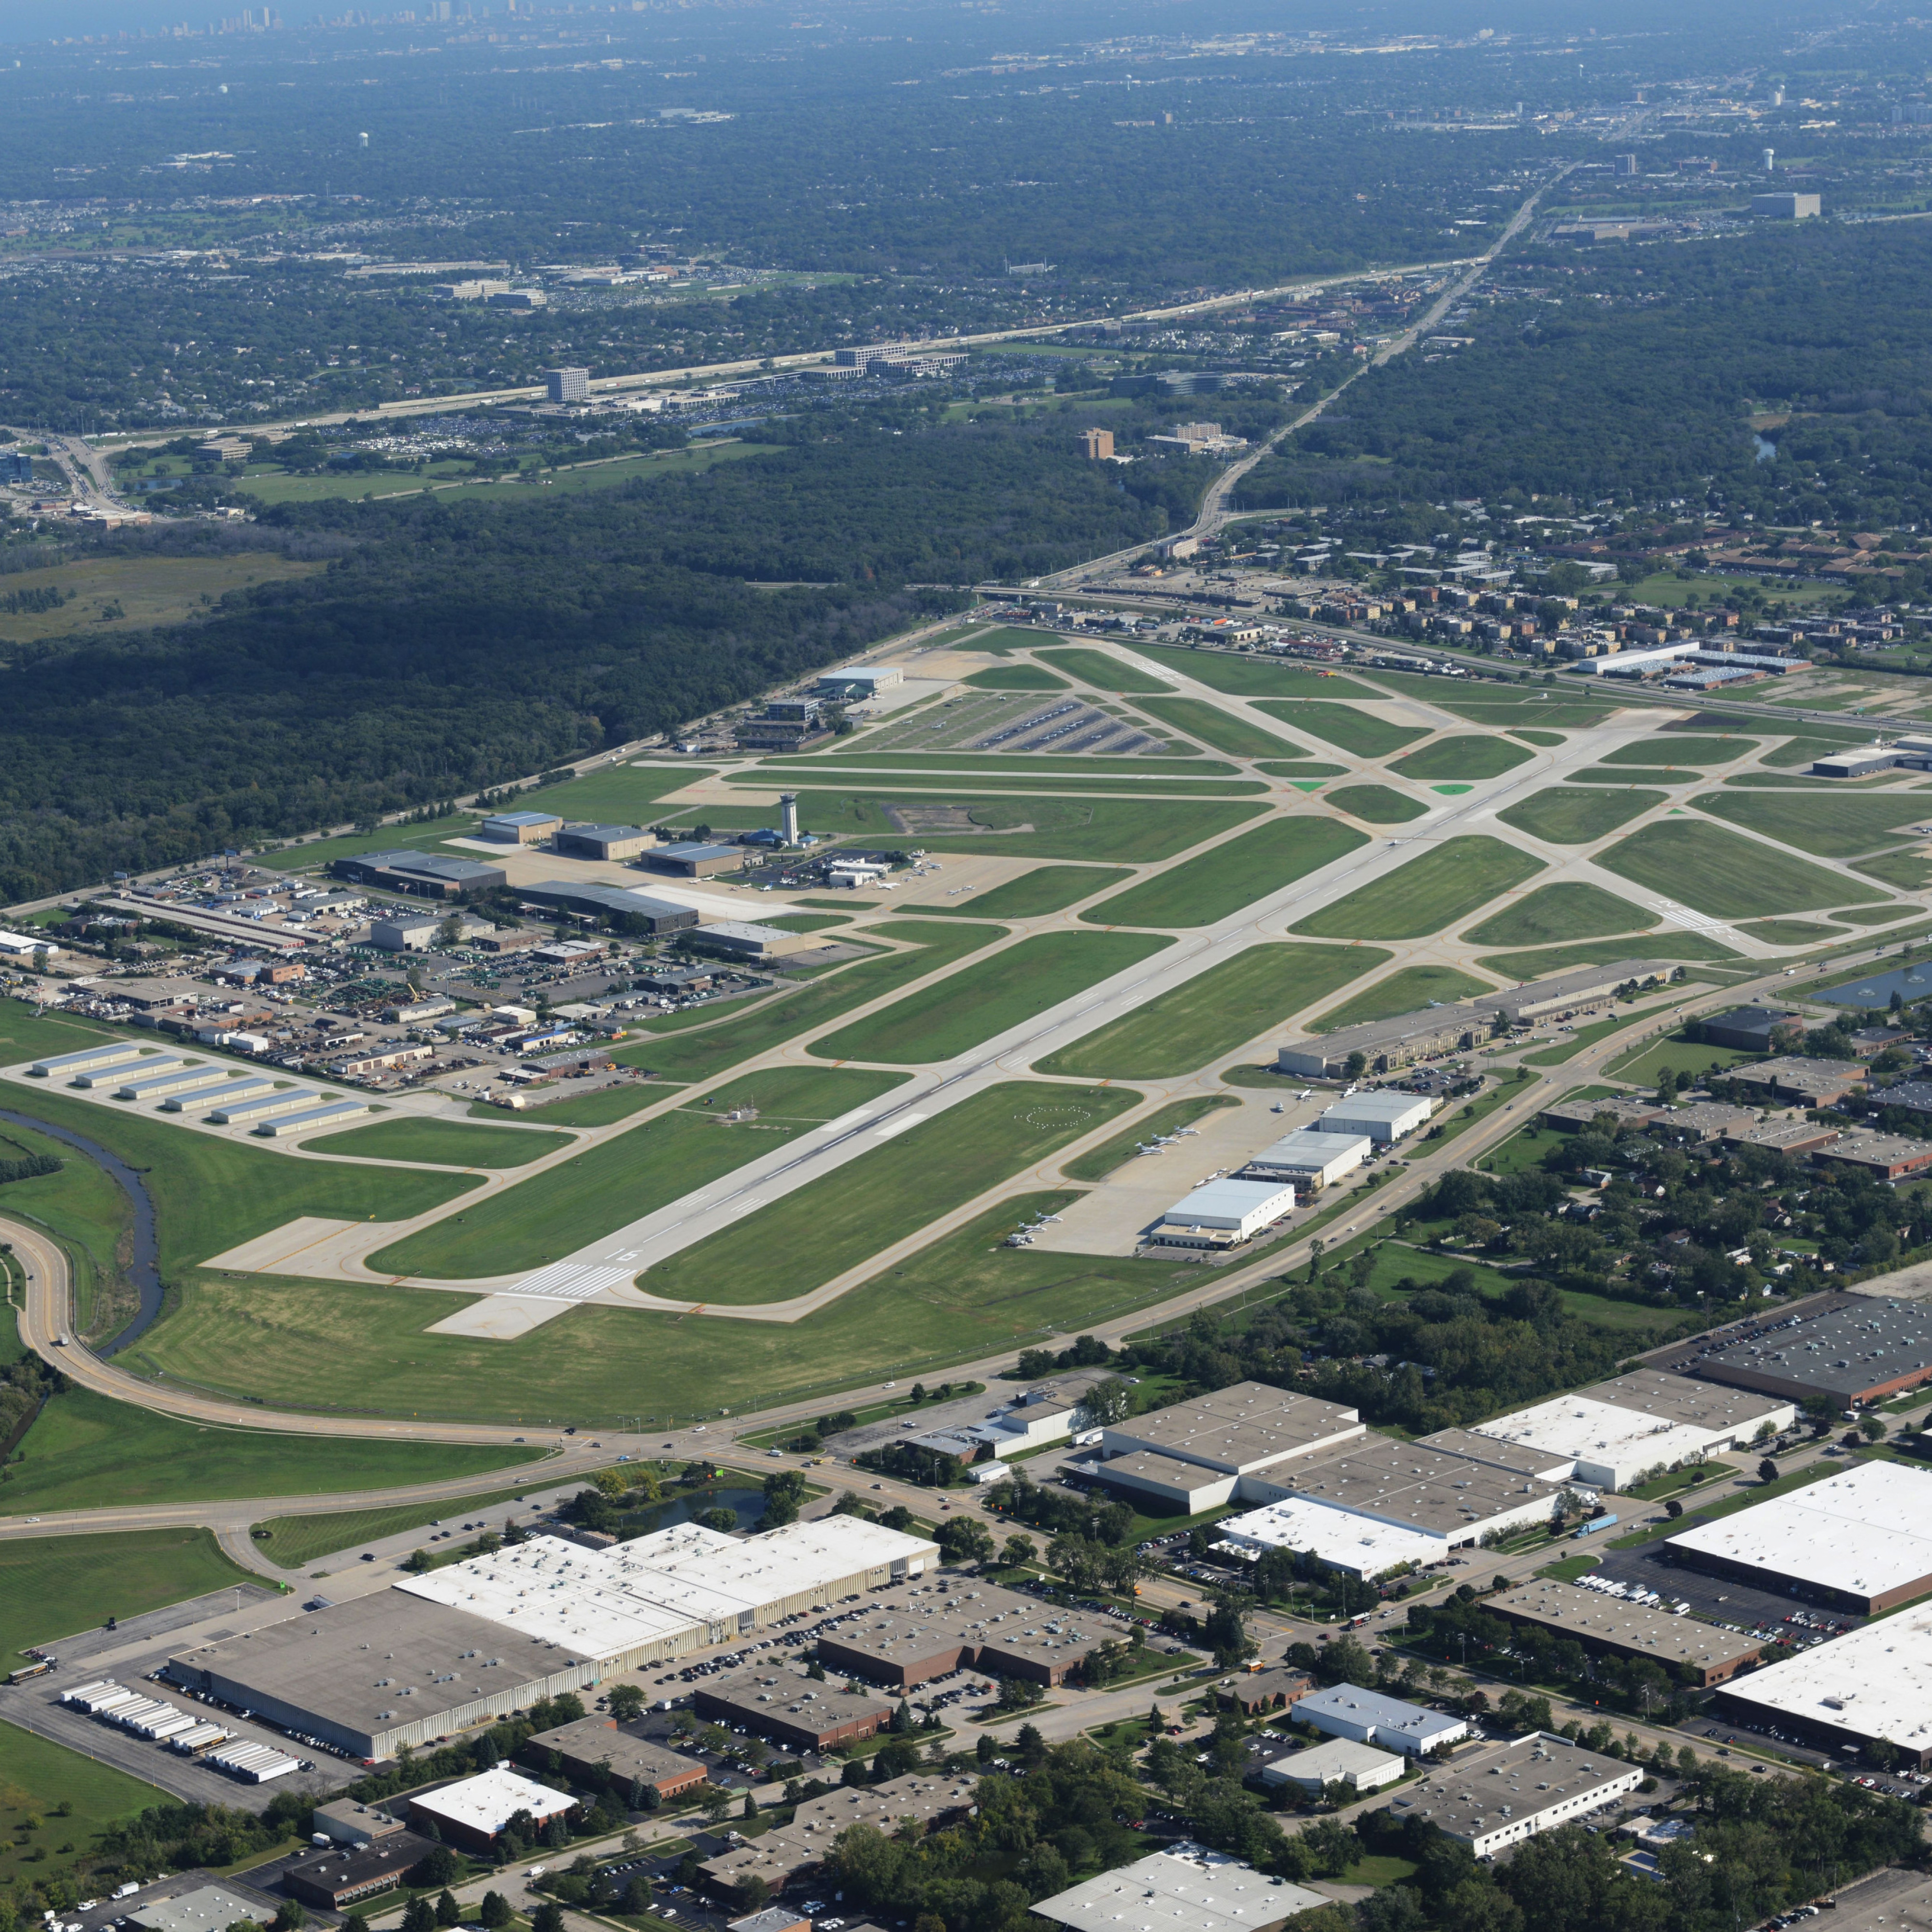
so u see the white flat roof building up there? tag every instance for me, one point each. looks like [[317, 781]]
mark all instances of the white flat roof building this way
[[1185, 1887], [484, 1805], [1358, 1544], [1315, 1159], [1874, 1685], [1370, 1717], [1223, 1212], [1340, 1761], [659, 1596], [1861, 1540], [1609, 1447], [1245, 1426], [1383, 1116], [1511, 1792]]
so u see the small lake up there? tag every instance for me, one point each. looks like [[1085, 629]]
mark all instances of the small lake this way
[[1873, 995], [748, 1503], [1767, 450]]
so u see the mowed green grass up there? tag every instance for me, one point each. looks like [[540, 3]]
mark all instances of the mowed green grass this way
[[294, 1540], [212, 1195], [340, 1346], [619, 794], [891, 1191], [706, 1051], [1790, 931], [1374, 804], [72, 1799], [1828, 828], [87, 1451], [1242, 676], [1016, 677], [598, 1109], [1673, 943], [1109, 830], [1221, 729], [1702, 865], [56, 1586], [1221, 880], [1406, 991], [1553, 913], [1429, 894], [1046, 888], [1232, 1002], [1098, 1162], [945, 1017], [1669, 748], [442, 1143], [1356, 730], [1463, 756], [633, 1174], [1564, 815], [1098, 671]]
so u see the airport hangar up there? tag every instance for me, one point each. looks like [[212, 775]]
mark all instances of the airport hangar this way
[[439, 1653], [1860, 1540]]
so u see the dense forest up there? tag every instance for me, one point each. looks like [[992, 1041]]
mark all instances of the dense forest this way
[[1634, 373], [454, 645]]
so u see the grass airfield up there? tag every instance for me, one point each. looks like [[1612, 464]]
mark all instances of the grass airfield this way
[[1096, 950]]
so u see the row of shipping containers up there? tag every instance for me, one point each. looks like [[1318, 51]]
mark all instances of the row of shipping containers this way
[[192, 1736]]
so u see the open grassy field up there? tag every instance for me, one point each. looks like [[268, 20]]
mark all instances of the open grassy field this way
[[590, 1110], [336, 1346], [1243, 676], [1016, 677], [1221, 729], [1828, 828], [442, 1143], [1790, 931], [83, 1206], [210, 1195], [706, 1051], [1463, 756], [1405, 991], [1361, 732], [1905, 870], [1676, 1053], [915, 792], [1374, 804], [946, 1017], [1099, 672], [619, 794], [1562, 815], [1098, 1162], [634, 1174], [1670, 943], [1815, 742], [1429, 893], [789, 1248], [54, 1586], [1214, 1012], [1680, 748], [1109, 830], [294, 1541], [52, 1798], [1300, 774], [1227, 877], [1532, 737], [110, 594], [1554, 913], [1705, 866], [279, 486], [1046, 888], [813, 768], [87, 1451], [1627, 775]]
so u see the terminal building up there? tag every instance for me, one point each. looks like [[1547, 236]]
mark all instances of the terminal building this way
[[1386, 1046], [1860, 1540], [441, 1653], [1873, 1686]]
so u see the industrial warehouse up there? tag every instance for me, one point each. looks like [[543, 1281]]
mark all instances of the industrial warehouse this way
[[1616, 1626], [440, 1653], [1858, 1351], [1511, 1792], [1871, 1686], [1860, 1540]]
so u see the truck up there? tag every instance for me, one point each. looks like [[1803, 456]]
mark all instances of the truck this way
[[38, 1668], [1595, 1523]]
